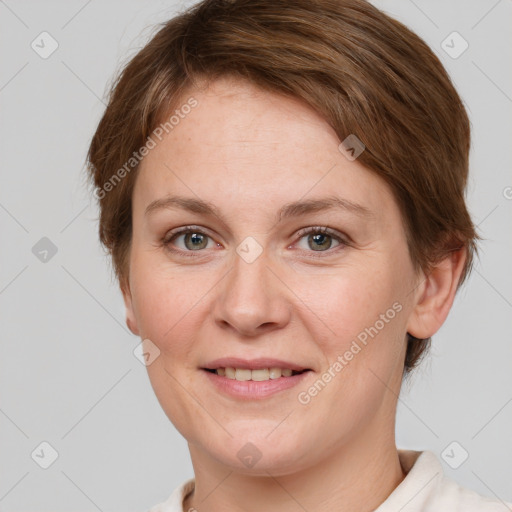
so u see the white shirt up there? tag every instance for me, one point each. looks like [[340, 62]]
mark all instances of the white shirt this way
[[425, 488]]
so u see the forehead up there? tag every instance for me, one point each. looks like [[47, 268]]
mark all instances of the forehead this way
[[235, 120], [241, 143]]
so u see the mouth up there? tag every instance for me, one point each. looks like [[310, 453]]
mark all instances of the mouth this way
[[258, 375], [253, 379]]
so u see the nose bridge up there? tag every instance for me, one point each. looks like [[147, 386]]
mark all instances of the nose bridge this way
[[251, 298]]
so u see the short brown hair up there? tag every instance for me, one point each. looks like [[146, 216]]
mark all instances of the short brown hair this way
[[365, 72]]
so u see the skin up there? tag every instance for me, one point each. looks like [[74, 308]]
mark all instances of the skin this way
[[249, 152]]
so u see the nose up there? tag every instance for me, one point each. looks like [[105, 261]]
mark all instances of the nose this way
[[252, 299]]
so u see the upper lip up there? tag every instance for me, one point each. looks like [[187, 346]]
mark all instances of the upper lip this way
[[253, 364]]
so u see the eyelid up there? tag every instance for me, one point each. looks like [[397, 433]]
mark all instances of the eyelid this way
[[342, 239], [324, 230], [169, 235]]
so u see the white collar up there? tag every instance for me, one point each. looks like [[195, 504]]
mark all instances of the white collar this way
[[425, 488]]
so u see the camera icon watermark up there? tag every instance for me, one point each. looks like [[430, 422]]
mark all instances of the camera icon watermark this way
[[454, 45], [249, 455], [455, 455], [44, 45], [44, 455], [249, 250], [44, 250], [146, 352], [351, 147]]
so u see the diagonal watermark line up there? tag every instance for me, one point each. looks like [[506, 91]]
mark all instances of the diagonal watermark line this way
[[76, 14], [488, 215], [73, 219], [214, 489], [417, 493], [3, 412], [491, 419], [492, 81], [392, 391], [309, 190], [198, 403], [102, 397], [95, 299], [494, 288], [280, 423], [301, 300], [466, 104], [424, 13], [5, 495], [13, 218], [84, 83], [177, 177], [286, 491], [485, 15], [197, 302], [419, 284], [13, 13], [506, 506], [88, 497], [14, 76], [13, 279]]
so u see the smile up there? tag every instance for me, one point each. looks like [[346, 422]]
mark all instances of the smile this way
[[259, 375], [246, 384]]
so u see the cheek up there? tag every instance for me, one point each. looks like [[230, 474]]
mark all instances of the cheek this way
[[153, 289], [344, 307], [167, 306], [169, 303], [361, 336], [357, 321]]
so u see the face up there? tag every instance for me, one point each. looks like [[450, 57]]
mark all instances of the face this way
[[300, 260]]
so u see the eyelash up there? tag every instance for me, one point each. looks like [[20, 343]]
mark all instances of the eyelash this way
[[169, 237]]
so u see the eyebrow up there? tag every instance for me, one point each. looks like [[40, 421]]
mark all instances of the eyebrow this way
[[293, 209]]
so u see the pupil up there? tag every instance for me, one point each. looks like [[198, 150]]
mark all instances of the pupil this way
[[196, 239], [319, 237]]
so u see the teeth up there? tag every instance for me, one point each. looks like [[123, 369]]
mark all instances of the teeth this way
[[263, 374], [275, 373], [243, 374]]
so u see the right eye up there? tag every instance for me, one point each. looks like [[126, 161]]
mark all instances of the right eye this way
[[192, 240]]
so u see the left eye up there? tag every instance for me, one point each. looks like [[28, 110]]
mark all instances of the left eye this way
[[320, 239]]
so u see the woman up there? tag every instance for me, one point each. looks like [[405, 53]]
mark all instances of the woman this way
[[281, 187]]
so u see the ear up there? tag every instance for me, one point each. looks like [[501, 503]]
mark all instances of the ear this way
[[131, 321], [435, 295]]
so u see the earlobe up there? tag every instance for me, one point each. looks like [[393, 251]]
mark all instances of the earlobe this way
[[435, 295], [131, 321]]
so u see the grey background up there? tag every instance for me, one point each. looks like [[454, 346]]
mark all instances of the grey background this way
[[68, 375]]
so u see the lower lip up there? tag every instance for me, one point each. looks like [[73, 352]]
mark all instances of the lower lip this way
[[252, 389]]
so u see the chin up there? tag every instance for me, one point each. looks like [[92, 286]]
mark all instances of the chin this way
[[258, 455]]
